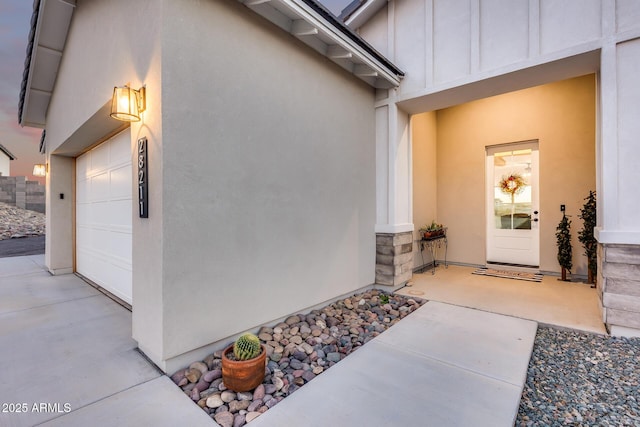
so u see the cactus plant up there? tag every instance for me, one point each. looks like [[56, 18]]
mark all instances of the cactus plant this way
[[247, 347]]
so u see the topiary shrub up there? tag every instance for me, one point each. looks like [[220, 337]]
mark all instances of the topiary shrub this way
[[563, 239], [586, 237]]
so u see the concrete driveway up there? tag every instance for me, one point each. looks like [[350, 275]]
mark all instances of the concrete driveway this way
[[67, 357]]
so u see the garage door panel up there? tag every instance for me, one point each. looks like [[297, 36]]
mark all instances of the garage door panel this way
[[82, 189], [120, 152], [100, 157], [120, 185], [99, 240], [99, 187], [119, 278], [82, 168], [104, 215], [82, 214], [121, 215], [99, 214], [83, 237], [120, 248]]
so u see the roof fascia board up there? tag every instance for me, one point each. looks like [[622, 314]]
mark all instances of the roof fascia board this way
[[313, 18], [362, 14], [33, 60], [7, 152], [31, 55]]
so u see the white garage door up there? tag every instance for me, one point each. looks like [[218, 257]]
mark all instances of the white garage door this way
[[104, 215]]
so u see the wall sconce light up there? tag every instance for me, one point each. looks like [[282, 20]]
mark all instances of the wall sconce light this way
[[127, 103], [39, 170]]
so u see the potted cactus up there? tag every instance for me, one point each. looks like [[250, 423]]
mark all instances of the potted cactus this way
[[243, 363]]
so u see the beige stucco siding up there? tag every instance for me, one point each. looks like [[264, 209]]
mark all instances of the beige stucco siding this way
[[109, 44], [560, 115], [269, 179]]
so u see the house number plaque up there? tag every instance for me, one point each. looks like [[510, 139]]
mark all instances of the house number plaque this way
[[143, 190]]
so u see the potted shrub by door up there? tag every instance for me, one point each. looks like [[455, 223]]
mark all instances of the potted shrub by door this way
[[563, 239], [243, 363]]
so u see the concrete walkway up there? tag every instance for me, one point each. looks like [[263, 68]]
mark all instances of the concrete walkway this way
[[442, 365], [67, 358]]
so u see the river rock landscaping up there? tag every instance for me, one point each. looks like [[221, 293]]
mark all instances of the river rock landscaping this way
[[298, 349], [579, 379]]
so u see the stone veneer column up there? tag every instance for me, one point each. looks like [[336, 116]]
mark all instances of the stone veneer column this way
[[394, 258], [619, 287]]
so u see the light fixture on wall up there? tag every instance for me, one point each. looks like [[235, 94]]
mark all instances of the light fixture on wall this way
[[39, 170], [127, 103]]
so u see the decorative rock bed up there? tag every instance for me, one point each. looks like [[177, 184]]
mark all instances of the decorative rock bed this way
[[298, 349], [580, 379], [16, 222]]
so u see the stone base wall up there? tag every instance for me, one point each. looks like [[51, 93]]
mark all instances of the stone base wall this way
[[619, 285], [394, 258], [17, 191]]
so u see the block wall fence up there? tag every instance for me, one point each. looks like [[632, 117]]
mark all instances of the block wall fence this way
[[17, 191]]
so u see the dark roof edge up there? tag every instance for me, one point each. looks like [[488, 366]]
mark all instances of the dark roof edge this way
[[43, 145], [350, 9], [333, 20], [27, 60], [7, 152]]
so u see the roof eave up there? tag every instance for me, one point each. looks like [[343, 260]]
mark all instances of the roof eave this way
[[358, 17], [7, 152], [49, 28], [311, 23]]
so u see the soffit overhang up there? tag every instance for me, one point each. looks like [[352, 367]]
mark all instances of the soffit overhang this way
[[315, 26], [304, 19], [49, 28]]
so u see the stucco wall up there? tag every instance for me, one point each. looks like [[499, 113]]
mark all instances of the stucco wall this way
[[5, 165], [424, 142], [269, 195], [109, 44], [560, 115]]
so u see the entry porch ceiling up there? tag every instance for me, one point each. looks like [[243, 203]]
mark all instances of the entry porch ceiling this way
[[309, 23]]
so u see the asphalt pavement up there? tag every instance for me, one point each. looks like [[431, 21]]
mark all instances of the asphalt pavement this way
[[22, 246]]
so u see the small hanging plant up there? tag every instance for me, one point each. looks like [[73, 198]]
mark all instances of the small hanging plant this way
[[513, 184], [563, 238]]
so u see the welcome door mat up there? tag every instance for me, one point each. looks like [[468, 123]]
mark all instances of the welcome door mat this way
[[518, 275]]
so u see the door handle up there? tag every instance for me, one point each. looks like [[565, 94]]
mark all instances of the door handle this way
[[535, 219], [535, 212]]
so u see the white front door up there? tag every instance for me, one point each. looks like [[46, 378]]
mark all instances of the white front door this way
[[513, 227], [104, 215]]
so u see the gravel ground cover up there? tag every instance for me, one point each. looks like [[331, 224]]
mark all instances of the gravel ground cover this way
[[298, 349], [16, 222], [579, 379]]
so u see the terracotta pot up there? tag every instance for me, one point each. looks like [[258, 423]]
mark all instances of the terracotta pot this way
[[243, 375], [432, 234]]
